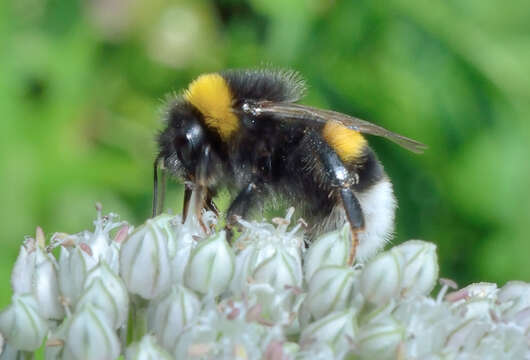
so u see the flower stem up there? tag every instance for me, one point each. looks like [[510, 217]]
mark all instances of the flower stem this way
[[25, 355], [137, 324]]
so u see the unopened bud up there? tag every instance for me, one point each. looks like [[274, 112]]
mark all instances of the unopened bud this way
[[514, 297], [74, 265], [168, 315], [22, 274], [278, 266], [420, 267], [211, 265], [332, 288], [335, 329], [22, 324], [332, 248], [381, 278], [46, 287], [107, 292], [90, 336], [35, 271], [381, 339], [144, 261]]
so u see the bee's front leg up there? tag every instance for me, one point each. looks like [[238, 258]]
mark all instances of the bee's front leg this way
[[242, 204]]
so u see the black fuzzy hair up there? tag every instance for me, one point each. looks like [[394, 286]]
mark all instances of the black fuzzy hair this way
[[265, 84]]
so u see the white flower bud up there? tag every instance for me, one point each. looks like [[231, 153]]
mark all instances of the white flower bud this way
[[181, 251], [107, 292], [168, 315], [74, 265], [8, 352], [100, 243], [244, 263], [146, 349], [380, 340], [467, 334], [35, 271], [46, 287], [335, 329], [420, 267], [277, 306], [144, 261], [381, 277], [332, 288], [89, 336], [22, 324], [100, 298], [22, 273], [514, 297], [211, 266], [277, 265], [332, 248]]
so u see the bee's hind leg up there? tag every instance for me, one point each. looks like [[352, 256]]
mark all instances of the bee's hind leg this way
[[339, 177]]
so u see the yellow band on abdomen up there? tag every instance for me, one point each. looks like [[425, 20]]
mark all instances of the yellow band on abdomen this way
[[347, 143]]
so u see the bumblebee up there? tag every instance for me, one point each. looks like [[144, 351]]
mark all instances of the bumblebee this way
[[245, 130]]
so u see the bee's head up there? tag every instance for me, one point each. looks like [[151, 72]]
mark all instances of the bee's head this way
[[181, 144]]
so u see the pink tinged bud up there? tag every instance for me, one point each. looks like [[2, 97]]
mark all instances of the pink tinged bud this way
[[146, 349], [122, 234], [419, 271], [332, 248], [168, 315], [144, 261], [381, 278], [211, 266], [89, 336], [332, 288], [22, 325], [381, 339]]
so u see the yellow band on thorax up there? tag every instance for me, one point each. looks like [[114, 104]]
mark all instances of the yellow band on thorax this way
[[211, 95], [347, 143]]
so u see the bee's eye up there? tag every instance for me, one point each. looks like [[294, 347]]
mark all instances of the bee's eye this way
[[184, 149]]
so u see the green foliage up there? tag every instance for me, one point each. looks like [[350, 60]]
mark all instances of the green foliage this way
[[82, 82]]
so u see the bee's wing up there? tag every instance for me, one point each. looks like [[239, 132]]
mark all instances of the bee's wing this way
[[292, 111]]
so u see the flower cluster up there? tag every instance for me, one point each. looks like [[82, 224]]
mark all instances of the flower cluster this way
[[173, 290]]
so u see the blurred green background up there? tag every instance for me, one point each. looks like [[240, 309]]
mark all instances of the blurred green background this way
[[82, 83]]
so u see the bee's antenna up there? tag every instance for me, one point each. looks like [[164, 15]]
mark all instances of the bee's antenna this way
[[158, 194]]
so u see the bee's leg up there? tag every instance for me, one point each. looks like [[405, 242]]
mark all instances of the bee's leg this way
[[242, 204], [210, 205], [187, 197], [341, 178]]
